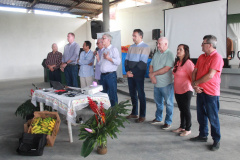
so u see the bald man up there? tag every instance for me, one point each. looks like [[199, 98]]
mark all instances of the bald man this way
[[160, 73], [53, 62]]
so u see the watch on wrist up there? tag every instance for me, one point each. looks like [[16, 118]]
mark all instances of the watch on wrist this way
[[194, 83]]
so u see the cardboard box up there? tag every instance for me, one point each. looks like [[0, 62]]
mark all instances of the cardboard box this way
[[26, 126], [44, 114]]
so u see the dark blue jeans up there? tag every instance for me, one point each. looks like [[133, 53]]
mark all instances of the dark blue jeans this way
[[55, 76], [71, 75], [136, 90], [109, 82], [207, 109]]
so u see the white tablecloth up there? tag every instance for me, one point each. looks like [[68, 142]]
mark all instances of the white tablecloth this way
[[68, 105]]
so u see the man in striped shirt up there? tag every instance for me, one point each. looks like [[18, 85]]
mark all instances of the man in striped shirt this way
[[136, 66], [53, 62]]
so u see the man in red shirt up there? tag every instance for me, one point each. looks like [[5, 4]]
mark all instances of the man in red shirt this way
[[206, 82]]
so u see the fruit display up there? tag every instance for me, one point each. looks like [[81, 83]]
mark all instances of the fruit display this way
[[43, 125]]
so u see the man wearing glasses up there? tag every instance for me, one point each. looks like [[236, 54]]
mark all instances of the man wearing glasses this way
[[206, 82], [160, 73], [109, 62]]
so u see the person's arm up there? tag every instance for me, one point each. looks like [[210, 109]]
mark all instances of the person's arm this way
[[151, 76], [115, 58], [161, 71], [88, 59], [195, 87], [206, 77], [75, 53], [59, 60]]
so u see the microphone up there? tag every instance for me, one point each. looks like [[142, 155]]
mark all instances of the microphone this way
[[95, 52]]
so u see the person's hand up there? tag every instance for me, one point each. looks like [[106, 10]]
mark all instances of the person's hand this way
[[51, 69], [106, 56], [90, 64], [198, 89], [97, 56], [153, 80], [62, 69], [78, 61], [63, 65], [129, 74]]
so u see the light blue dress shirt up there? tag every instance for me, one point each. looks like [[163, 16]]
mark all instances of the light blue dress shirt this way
[[86, 58], [106, 65]]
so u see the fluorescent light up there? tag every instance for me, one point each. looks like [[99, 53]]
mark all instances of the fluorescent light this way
[[55, 14], [11, 9]]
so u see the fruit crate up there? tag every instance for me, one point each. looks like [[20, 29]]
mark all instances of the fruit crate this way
[[44, 114]]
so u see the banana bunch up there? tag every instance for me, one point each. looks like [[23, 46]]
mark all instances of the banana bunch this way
[[43, 126]]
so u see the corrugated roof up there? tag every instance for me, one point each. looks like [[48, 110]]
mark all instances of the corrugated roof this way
[[90, 8]]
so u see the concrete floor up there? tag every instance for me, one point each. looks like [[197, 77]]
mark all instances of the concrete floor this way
[[135, 142]]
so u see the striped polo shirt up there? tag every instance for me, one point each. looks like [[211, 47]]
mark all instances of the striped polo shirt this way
[[136, 59]]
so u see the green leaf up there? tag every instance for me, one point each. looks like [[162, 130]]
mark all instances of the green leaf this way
[[87, 147]]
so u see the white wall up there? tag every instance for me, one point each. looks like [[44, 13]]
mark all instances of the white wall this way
[[146, 17], [27, 38], [150, 17]]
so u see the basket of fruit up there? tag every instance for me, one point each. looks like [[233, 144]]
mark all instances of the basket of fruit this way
[[45, 123]]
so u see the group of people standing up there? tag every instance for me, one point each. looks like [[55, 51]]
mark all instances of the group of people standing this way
[[177, 76], [169, 75], [108, 60]]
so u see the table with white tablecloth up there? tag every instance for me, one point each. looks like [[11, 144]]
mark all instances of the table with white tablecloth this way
[[68, 105]]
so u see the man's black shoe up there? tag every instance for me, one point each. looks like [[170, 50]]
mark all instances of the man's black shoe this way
[[199, 139], [215, 146]]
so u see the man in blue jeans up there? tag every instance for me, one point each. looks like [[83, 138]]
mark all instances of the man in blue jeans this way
[[109, 62], [160, 73], [206, 82], [136, 66], [69, 61]]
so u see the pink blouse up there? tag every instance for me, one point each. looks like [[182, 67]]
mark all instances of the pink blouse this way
[[183, 77]]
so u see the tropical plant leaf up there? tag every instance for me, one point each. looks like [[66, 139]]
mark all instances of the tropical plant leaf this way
[[88, 146]]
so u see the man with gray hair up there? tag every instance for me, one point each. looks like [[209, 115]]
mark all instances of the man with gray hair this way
[[109, 62], [53, 62], [160, 73], [206, 82]]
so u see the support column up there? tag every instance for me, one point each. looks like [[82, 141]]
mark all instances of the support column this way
[[106, 17]]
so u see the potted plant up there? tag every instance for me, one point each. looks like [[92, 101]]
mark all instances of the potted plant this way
[[102, 124]]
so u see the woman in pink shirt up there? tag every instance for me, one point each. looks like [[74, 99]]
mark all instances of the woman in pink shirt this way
[[183, 90]]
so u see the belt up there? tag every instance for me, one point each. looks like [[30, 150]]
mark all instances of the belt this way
[[71, 64], [107, 73]]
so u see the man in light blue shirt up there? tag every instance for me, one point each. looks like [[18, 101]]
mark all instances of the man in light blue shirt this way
[[160, 73], [86, 71], [109, 62], [69, 61]]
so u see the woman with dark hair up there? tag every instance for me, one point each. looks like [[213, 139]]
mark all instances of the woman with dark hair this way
[[183, 68]]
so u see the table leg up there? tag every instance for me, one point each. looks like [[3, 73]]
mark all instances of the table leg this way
[[41, 106], [70, 131]]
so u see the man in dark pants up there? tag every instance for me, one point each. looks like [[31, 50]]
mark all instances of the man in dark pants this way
[[69, 61], [53, 62], [136, 66], [109, 62], [206, 82]]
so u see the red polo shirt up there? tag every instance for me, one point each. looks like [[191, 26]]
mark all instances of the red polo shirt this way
[[204, 63]]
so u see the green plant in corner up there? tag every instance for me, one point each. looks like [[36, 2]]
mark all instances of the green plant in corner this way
[[27, 108], [102, 124]]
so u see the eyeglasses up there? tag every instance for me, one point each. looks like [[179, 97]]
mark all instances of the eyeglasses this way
[[97, 43], [104, 38], [175, 69], [205, 43]]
